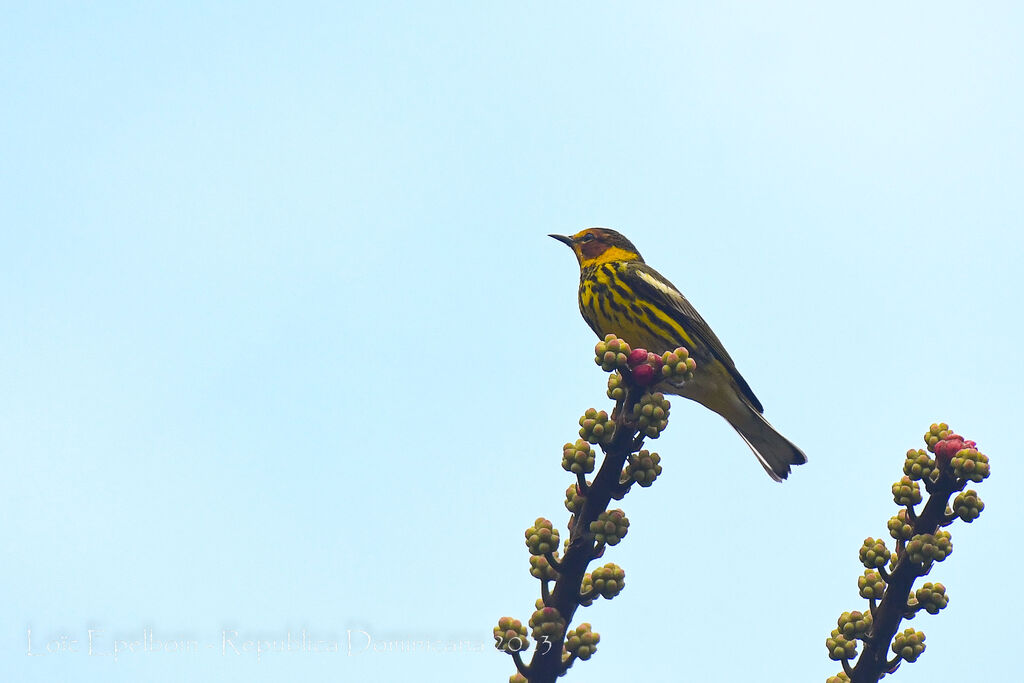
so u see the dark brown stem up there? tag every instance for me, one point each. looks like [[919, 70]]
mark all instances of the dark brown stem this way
[[620, 492], [545, 667], [873, 662], [552, 560], [847, 668], [523, 669]]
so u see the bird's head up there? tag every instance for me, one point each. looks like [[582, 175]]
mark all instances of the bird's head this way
[[595, 246]]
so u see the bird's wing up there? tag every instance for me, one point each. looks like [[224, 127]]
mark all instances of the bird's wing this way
[[649, 283]]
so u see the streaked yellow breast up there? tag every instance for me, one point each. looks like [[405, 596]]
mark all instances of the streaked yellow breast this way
[[610, 306]]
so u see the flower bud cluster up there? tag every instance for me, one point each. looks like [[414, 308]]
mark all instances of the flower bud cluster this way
[[931, 597], [578, 457], [540, 568], [909, 644], [874, 554], [967, 506], [606, 582], [677, 365], [582, 642], [651, 414], [542, 537], [924, 549], [840, 647], [906, 492], [971, 465], [510, 635], [610, 527], [919, 465], [574, 499], [547, 622], [643, 468], [871, 586], [616, 388], [854, 625], [936, 433], [611, 353], [900, 527], [596, 427]]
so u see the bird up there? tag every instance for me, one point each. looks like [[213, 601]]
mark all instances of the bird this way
[[620, 294]]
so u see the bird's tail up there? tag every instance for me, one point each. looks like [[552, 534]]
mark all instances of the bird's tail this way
[[775, 452]]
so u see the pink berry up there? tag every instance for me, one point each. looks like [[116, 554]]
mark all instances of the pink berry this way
[[948, 447], [636, 357], [643, 375]]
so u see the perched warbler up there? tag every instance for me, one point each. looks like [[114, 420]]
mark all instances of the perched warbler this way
[[620, 294]]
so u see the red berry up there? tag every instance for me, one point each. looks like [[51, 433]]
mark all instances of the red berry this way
[[948, 447], [636, 357], [643, 375]]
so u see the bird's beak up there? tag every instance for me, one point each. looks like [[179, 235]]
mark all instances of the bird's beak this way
[[564, 239]]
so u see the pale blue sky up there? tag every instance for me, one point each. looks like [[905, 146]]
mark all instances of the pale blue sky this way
[[271, 280]]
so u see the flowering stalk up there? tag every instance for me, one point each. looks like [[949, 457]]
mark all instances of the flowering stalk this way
[[921, 541], [638, 414]]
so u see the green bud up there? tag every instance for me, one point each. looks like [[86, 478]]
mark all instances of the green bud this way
[[547, 622], [610, 527], [578, 458], [611, 354], [607, 581], [839, 647], [541, 569], [643, 468], [595, 427], [874, 554], [677, 364], [573, 499], [935, 434], [542, 537], [919, 465], [651, 414], [931, 597], [871, 585], [909, 644], [840, 677], [854, 625], [510, 635], [616, 390], [900, 527], [924, 549], [971, 465], [967, 506], [906, 492], [582, 642]]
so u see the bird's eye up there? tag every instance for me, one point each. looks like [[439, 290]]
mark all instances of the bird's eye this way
[[589, 237]]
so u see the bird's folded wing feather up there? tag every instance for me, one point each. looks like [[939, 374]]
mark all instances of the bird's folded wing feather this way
[[649, 283]]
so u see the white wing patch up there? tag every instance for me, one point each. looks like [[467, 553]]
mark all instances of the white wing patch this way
[[668, 290]]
